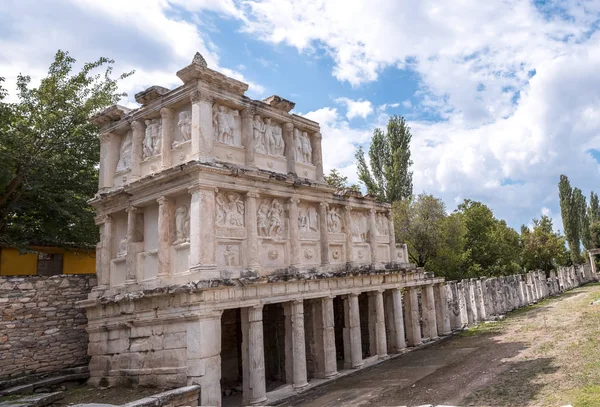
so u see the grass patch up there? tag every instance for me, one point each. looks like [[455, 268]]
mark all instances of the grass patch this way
[[485, 328], [586, 396]]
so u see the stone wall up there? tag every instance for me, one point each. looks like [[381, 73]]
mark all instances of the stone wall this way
[[473, 300], [41, 327]]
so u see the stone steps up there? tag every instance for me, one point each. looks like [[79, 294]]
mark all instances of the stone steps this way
[[36, 400], [30, 388]]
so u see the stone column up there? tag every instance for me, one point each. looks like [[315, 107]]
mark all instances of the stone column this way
[[165, 235], [413, 329], [592, 266], [348, 232], [168, 122], [295, 351], [441, 309], [396, 321], [109, 157], [393, 255], [202, 131], [377, 339], [479, 300], [429, 317], [324, 323], [202, 356], [248, 136], [253, 356], [317, 155], [106, 236], [288, 137], [294, 234], [352, 340], [137, 140], [252, 258], [202, 231], [373, 237], [324, 233]]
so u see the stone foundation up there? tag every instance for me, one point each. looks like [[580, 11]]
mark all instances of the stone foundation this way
[[41, 328]]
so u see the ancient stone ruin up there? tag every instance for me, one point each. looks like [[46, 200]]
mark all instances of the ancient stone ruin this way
[[226, 261]]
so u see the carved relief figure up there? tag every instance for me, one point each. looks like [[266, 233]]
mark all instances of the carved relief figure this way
[[147, 146], [224, 124], [122, 249], [308, 219], [230, 256], [306, 149], [185, 126], [125, 154], [359, 227], [382, 225], [334, 221], [151, 144], [230, 210], [182, 225], [156, 136], [259, 135], [277, 143], [270, 218]]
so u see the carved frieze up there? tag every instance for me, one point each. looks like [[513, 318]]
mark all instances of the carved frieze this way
[[268, 137], [308, 221], [382, 225], [228, 255], [302, 147], [334, 220], [185, 127], [230, 215], [152, 138], [359, 227]]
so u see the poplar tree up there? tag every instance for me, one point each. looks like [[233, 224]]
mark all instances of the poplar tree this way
[[570, 218], [388, 177]]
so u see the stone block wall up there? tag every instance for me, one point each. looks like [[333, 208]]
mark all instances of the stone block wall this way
[[474, 300], [42, 330]]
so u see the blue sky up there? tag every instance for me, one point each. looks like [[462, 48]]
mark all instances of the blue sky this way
[[502, 96]]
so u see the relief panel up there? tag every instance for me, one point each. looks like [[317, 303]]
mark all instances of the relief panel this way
[[268, 137], [273, 254], [310, 253], [382, 225], [359, 227], [302, 147], [383, 253], [230, 219], [226, 125], [229, 254], [152, 145], [308, 221], [362, 253], [337, 253], [271, 219]]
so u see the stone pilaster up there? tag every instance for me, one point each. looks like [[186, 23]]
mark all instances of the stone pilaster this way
[[294, 234], [317, 155], [441, 309], [109, 157], [378, 340], [202, 131], [295, 351], [413, 329], [480, 299], [324, 233], [288, 137], [352, 340], [248, 136], [429, 317], [348, 232], [165, 235], [106, 236], [202, 232], [392, 231], [133, 243], [373, 237], [252, 232], [253, 356], [168, 124], [203, 357], [325, 351], [137, 140]]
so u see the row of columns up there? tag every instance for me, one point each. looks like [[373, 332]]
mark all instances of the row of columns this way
[[382, 305], [202, 141]]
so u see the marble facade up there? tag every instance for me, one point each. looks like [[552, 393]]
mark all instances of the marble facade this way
[[213, 214]]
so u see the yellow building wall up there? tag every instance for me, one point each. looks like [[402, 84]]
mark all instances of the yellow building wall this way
[[79, 262], [74, 261], [14, 264]]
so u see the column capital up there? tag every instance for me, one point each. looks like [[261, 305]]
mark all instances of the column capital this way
[[197, 96], [107, 137], [324, 204], [102, 219], [252, 194], [163, 200], [137, 125], [132, 209], [289, 126], [317, 135], [376, 292], [167, 113], [247, 112], [348, 207], [294, 199]]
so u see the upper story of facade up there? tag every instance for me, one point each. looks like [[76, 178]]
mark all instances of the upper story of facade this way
[[207, 119]]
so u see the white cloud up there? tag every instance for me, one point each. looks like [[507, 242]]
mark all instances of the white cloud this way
[[356, 108]]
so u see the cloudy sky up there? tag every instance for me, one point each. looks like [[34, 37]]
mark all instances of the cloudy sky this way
[[502, 95]]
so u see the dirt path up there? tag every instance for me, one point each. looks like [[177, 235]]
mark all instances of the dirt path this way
[[545, 355]]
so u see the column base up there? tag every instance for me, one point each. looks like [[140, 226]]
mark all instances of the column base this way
[[299, 386], [257, 401]]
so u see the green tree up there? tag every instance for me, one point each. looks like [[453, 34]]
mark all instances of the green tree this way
[[450, 256], [389, 177], [418, 223], [49, 152], [340, 182], [581, 210], [594, 208], [543, 249], [570, 218]]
